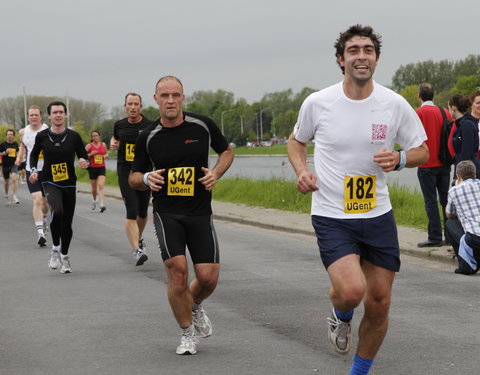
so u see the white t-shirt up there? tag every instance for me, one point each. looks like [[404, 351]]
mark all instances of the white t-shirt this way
[[347, 133], [28, 141]]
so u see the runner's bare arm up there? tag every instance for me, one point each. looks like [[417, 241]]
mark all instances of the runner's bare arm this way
[[224, 162], [297, 154]]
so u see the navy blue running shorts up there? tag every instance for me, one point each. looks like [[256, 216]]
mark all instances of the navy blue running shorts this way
[[374, 239], [176, 232]]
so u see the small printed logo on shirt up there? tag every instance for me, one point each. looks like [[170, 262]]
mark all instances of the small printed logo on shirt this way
[[188, 141], [379, 133]]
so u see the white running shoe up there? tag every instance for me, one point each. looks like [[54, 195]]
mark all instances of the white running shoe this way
[[188, 344], [54, 259], [201, 323], [139, 256], [65, 268], [94, 205], [15, 200], [339, 334]]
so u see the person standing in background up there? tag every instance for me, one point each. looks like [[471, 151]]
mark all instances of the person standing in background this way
[[433, 176], [465, 139]]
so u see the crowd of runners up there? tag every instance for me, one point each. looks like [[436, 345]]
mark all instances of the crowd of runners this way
[[354, 125]]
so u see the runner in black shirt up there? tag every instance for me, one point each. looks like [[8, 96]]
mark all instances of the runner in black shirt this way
[[59, 146], [178, 145], [9, 151], [125, 133]]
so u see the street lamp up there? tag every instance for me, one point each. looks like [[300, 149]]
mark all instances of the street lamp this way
[[261, 123], [229, 110], [25, 106]]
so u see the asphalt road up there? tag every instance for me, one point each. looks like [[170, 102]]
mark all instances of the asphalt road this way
[[269, 310]]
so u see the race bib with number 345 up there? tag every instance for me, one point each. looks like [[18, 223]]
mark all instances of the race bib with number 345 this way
[[59, 172]]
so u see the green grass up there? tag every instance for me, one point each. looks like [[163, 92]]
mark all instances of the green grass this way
[[272, 150], [111, 176], [282, 195]]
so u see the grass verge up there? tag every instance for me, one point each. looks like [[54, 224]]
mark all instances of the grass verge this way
[[282, 195]]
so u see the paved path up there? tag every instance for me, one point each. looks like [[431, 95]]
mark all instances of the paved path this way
[[287, 221]]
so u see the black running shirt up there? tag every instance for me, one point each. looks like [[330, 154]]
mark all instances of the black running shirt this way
[[10, 157], [59, 156], [182, 151], [126, 133]]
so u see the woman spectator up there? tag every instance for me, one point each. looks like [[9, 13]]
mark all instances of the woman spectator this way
[[97, 152], [465, 138], [475, 100]]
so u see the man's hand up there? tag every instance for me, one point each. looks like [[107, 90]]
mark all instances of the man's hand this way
[[113, 144], [33, 177], [386, 159], [209, 180], [155, 180], [306, 182], [83, 163]]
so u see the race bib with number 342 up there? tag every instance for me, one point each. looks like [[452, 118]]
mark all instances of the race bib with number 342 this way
[[181, 181]]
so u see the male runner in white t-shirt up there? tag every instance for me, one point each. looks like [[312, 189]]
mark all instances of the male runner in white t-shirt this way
[[40, 204], [355, 125]]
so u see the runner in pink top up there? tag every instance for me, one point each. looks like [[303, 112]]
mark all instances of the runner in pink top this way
[[97, 152]]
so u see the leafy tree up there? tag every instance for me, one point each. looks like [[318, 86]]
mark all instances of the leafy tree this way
[[410, 94], [210, 100], [151, 113], [285, 122], [466, 85], [442, 75]]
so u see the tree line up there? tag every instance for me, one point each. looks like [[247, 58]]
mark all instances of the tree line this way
[[272, 117]]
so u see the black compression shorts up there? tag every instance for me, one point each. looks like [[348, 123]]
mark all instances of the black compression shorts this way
[[175, 232]]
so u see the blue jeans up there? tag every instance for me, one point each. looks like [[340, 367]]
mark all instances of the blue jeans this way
[[433, 180]]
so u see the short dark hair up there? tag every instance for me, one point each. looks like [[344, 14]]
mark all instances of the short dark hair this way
[[10, 130], [133, 94], [466, 169], [166, 78], [366, 31], [56, 102], [460, 101], [425, 91]]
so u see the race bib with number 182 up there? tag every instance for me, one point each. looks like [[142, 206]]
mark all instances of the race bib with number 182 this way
[[359, 194]]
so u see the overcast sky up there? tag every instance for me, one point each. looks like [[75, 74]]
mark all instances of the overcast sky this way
[[98, 50]]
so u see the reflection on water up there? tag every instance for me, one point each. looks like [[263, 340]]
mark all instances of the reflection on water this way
[[264, 167]]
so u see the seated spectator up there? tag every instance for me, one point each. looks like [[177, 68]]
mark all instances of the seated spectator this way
[[463, 224]]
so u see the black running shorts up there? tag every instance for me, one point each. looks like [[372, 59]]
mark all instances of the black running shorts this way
[[176, 232]]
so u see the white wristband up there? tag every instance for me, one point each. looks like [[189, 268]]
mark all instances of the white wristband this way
[[145, 178], [403, 160]]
